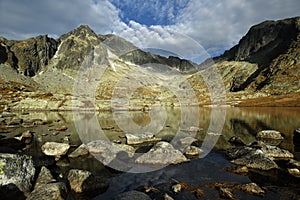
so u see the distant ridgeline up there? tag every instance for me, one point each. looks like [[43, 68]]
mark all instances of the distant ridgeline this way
[[265, 62]]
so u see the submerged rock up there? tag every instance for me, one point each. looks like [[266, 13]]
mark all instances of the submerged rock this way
[[252, 188], [162, 153], [82, 181], [17, 170], [132, 195], [50, 191], [269, 134], [141, 138], [55, 149], [226, 193]]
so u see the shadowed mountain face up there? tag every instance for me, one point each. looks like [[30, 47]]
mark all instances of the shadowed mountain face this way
[[274, 47], [264, 63]]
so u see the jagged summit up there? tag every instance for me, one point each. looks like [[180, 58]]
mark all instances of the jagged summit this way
[[82, 31], [264, 42]]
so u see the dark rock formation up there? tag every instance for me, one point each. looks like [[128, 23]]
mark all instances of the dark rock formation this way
[[265, 44], [28, 56]]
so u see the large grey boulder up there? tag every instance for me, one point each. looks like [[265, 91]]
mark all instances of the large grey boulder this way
[[107, 151], [17, 170], [163, 153]]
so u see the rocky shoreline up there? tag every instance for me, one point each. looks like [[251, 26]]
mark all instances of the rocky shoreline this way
[[26, 176]]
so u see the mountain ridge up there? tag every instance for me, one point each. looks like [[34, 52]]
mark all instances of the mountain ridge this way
[[265, 63]]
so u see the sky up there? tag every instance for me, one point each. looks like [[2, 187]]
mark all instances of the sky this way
[[192, 29]]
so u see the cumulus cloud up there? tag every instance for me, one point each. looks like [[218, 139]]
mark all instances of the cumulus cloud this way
[[189, 28], [23, 18]]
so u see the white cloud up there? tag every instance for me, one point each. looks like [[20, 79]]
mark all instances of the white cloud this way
[[216, 25], [30, 18]]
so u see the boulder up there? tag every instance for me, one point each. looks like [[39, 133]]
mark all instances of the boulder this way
[[163, 153], [16, 170], [251, 158], [44, 177], [82, 181], [256, 160], [252, 188], [80, 151], [141, 138], [55, 149], [107, 151], [294, 172], [269, 134], [193, 151], [276, 152], [50, 191], [226, 193], [132, 195]]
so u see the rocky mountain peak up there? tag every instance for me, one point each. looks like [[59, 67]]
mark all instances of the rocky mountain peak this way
[[82, 32], [264, 42]]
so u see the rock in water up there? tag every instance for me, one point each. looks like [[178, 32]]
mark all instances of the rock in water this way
[[270, 134], [132, 195], [294, 172], [251, 158], [107, 151], [44, 177], [252, 188], [50, 191], [256, 160], [141, 138], [55, 149], [193, 151], [276, 152], [80, 151], [162, 153], [226, 193], [82, 181], [17, 170]]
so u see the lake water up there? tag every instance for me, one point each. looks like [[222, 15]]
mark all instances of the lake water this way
[[168, 123]]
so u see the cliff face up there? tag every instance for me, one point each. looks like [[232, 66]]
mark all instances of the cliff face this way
[[265, 42], [274, 47], [28, 56]]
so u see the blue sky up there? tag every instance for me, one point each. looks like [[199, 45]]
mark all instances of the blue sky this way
[[193, 29]]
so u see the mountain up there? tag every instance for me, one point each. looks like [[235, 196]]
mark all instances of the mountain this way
[[262, 70], [274, 47]]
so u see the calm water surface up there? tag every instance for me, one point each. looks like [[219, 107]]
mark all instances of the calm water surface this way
[[242, 122]]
